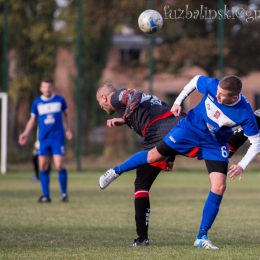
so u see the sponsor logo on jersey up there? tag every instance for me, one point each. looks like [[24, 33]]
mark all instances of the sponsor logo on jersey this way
[[156, 101], [49, 120], [120, 97], [153, 99], [172, 139], [53, 107], [145, 97], [217, 114], [208, 106]]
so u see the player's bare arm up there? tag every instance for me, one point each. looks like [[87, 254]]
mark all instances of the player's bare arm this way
[[29, 126], [67, 122], [115, 122]]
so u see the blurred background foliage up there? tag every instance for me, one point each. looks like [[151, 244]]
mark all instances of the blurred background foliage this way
[[37, 28]]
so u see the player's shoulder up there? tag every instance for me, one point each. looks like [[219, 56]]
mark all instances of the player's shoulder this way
[[58, 97], [37, 100], [244, 103], [207, 81], [119, 95]]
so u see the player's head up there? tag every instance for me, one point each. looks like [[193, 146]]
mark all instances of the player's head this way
[[46, 87], [104, 94], [229, 89]]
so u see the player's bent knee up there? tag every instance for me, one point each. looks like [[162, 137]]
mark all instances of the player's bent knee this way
[[154, 156]]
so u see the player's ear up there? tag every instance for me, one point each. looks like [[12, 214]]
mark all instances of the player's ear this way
[[234, 98], [104, 98]]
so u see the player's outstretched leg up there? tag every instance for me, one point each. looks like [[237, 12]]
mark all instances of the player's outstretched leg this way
[[138, 159], [105, 179]]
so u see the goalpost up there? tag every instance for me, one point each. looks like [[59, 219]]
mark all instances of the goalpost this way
[[4, 122]]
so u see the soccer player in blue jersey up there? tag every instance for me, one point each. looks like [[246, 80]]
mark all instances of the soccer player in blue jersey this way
[[48, 111], [207, 126]]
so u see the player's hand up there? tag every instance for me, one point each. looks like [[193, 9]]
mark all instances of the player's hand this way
[[22, 139], [169, 166], [115, 122], [234, 171], [176, 109], [68, 134]]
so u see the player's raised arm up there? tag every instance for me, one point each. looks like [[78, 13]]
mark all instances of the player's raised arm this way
[[189, 88]]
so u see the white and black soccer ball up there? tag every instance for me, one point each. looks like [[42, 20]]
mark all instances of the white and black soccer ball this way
[[150, 21]]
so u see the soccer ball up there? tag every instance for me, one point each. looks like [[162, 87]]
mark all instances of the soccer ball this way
[[150, 21]]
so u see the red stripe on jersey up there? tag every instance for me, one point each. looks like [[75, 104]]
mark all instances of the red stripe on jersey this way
[[231, 148], [165, 115], [142, 194], [161, 165], [125, 96]]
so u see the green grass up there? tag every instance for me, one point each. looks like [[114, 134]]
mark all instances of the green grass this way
[[99, 224]]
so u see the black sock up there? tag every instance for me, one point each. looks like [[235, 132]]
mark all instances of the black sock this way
[[142, 212]]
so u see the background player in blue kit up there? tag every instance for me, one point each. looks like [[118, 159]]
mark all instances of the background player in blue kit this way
[[207, 126], [48, 111]]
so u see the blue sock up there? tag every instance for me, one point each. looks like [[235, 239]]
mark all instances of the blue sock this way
[[209, 213], [45, 183], [133, 162], [63, 179]]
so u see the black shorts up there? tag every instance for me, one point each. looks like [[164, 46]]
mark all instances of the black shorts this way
[[216, 166]]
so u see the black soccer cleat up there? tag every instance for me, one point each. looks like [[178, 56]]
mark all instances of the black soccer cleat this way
[[44, 199], [144, 243], [64, 198]]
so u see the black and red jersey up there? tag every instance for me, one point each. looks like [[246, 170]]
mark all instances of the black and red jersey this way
[[144, 113]]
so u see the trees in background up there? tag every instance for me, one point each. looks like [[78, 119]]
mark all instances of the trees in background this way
[[32, 46], [34, 37]]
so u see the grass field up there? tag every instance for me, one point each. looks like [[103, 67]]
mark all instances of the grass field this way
[[99, 224]]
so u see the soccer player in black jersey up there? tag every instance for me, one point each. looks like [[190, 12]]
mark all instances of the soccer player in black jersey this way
[[152, 119]]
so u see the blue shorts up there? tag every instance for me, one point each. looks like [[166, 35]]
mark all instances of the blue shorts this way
[[183, 141], [52, 147]]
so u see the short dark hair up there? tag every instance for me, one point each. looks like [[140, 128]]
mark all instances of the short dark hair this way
[[231, 83], [47, 80]]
